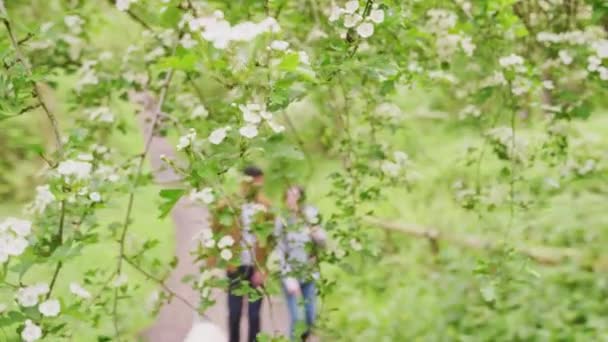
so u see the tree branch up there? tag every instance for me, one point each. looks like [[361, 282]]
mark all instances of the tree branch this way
[[36, 90], [541, 254], [59, 241]]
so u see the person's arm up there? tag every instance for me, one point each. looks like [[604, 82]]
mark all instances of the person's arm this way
[[317, 233], [291, 284], [318, 236]]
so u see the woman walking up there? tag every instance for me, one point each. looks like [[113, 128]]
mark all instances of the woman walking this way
[[299, 236]]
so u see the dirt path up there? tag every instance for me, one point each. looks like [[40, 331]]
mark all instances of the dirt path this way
[[175, 319]]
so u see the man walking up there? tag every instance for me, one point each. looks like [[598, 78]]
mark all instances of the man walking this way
[[248, 275]]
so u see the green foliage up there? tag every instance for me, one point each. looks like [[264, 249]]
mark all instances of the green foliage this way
[[470, 116]]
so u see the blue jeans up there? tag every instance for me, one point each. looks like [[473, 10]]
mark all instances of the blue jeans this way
[[309, 297]]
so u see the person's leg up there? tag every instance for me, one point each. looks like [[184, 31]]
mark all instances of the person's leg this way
[[309, 295], [254, 319], [254, 308], [235, 306], [292, 307]]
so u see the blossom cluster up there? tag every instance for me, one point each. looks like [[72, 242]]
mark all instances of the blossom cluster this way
[[208, 241], [253, 115], [353, 16], [515, 63], [514, 146], [29, 297], [394, 168], [204, 196], [220, 33], [441, 22], [13, 237]]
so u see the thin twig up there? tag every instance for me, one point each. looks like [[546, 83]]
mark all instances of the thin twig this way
[[115, 315], [59, 241], [163, 95], [300, 142], [36, 91], [163, 285]]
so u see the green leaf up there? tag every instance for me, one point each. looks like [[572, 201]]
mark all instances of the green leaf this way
[[290, 62], [288, 152], [11, 318], [186, 62], [65, 251], [582, 111], [488, 292], [170, 17], [169, 199]]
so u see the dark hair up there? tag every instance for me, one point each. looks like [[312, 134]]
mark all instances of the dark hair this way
[[253, 171]]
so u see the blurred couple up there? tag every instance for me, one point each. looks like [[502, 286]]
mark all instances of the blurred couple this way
[[296, 238]]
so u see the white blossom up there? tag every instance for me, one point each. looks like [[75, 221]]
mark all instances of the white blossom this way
[[277, 128], [206, 237], [79, 291], [87, 157], [603, 71], [440, 20], [154, 54], [187, 42], [220, 33], [497, 78], [28, 296], [594, 63], [13, 234], [205, 196], [304, 58], [106, 55], [74, 169], [249, 131], [279, 45], [470, 110], [251, 113], [365, 30], [74, 22], [123, 5], [521, 85], [199, 112], [356, 245], [467, 46], [31, 332], [390, 168], [95, 197], [601, 48], [226, 254], [511, 60], [50, 308], [548, 84], [225, 241], [351, 20], [351, 6], [218, 135], [377, 16], [335, 13], [447, 45], [565, 57], [87, 76], [21, 228], [186, 140], [101, 114], [401, 157]]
